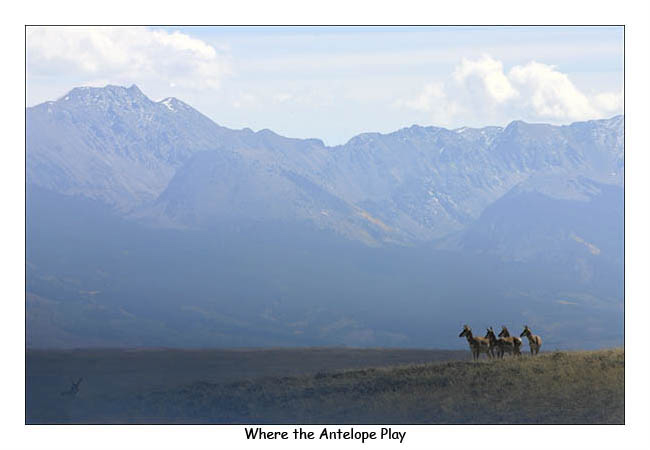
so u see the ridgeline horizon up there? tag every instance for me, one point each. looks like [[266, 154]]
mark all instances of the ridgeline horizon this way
[[135, 88]]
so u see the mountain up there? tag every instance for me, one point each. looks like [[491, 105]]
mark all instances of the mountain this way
[[164, 162], [171, 221], [114, 144]]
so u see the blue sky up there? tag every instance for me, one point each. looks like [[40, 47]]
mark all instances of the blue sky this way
[[335, 82]]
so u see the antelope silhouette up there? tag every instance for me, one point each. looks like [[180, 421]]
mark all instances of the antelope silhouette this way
[[514, 341], [477, 344], [503, 344], [534, 341], [74, 388]]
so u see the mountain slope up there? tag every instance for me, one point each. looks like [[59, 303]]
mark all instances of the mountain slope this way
[[146, 219], [114, 143], [165, 163]]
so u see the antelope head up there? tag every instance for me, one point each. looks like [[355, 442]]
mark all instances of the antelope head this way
[[490, 335], [466, 331], [526, 331], [504, 332], [75, 385]]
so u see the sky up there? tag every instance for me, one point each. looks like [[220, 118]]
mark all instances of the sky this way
[[333, 83]]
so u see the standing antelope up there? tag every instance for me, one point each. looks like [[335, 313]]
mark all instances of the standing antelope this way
[[477, 345], [74, 388], [534, 341], [505, 334], [494, 344], [503, 344]]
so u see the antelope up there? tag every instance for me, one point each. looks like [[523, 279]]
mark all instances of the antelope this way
[[477, 345], [503, 344], [534, 341], [74, 388], [494, 344], [516, 342]]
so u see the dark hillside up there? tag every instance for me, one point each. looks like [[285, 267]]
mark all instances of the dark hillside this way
[[552, 388]]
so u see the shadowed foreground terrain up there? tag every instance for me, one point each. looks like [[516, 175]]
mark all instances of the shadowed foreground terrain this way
[[325, 386]]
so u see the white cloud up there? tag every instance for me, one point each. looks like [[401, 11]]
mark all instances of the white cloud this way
[[484, 78], [550, 94], [609, 101], [480, 92], [432, 94], [125, 55]]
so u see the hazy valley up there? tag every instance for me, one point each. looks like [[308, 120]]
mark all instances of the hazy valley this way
[[150, 225]]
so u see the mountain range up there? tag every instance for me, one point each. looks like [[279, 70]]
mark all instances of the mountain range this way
[[147, 219]]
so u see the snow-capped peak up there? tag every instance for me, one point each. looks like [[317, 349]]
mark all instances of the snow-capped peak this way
[[169, 103]]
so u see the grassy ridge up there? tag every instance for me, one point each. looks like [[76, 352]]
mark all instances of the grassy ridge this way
[[559, 387], [116, 379]]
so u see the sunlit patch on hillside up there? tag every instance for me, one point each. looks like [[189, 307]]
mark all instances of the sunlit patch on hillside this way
[[591, 247], [374, 220]]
